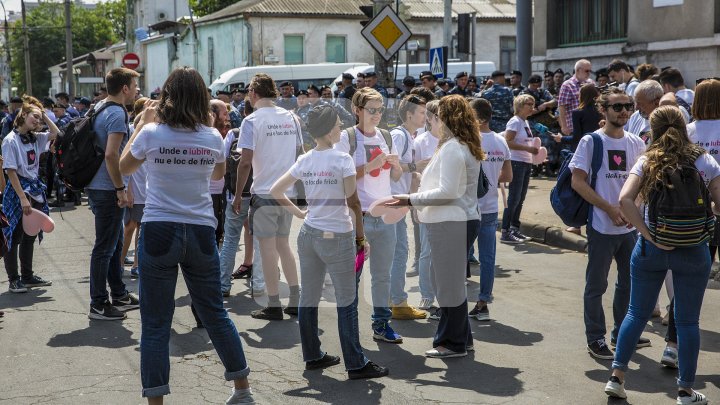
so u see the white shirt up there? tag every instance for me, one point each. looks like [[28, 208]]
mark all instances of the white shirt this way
[[706, 133], [24, 157], [179, 164], [370, 188], [400, 138], [523, 136], [323, 175], [619, 156], [687, 95], [273, 134], [497, 152], [425, 146], [448, 189], [638, 126]]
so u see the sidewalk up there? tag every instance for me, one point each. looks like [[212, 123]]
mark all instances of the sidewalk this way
[[539, 221]]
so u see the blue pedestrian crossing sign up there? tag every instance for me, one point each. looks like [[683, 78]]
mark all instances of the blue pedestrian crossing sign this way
[[438, 62]]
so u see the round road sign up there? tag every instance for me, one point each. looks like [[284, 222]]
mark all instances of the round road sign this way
[[131, 61]]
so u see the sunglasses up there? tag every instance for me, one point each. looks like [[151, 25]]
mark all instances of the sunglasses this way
[[373, 111], [617, 107], [698, 81]]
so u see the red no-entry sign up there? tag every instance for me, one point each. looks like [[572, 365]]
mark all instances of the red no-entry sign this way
[[131, 61]]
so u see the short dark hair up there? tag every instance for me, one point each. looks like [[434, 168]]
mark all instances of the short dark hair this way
[[616, 65], [671, 76], [118, 78], [264, 86], [184, 100], [482, 109], [424, 93], [409, 104]]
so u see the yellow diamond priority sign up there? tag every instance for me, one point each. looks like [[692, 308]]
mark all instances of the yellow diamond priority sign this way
[[386, 33]]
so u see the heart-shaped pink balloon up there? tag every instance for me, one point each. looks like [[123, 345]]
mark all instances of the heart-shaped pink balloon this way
[[37, 221], [389, 215], [540, 157]]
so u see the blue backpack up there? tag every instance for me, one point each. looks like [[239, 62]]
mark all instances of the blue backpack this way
[[572, 209]]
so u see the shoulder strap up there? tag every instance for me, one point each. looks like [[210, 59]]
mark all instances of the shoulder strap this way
[[388, 138], [352, 140], [408, 138], [597, 158]]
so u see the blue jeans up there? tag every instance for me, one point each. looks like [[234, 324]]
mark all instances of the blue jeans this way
[[106, 266], [320, 253], [381, 238], [399, 265], [233, 230], [516, 194], [486, 251], [601, 251], [690, 271], [427, 289], [162, 247]]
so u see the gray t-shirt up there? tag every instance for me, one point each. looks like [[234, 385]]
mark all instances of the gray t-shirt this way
[[110, 120]]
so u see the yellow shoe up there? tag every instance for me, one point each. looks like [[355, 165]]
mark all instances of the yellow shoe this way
[[404, 311]]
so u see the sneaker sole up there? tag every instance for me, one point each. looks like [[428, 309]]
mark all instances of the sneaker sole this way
[[408, 318], [637, 346], [18, 290], [379, 338], [482, 318], [599, 356], [99, 317], [446, 356], [38, 285], [369, 375], [510, 242], [124, 308], [615, 394], [267, 318], [669, 363], [324, 365]]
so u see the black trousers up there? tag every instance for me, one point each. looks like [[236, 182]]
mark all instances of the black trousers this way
[[25, 244]]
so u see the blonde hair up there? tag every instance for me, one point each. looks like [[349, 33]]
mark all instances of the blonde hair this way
[[29, 104], [365, 95], [669, 147], [520, 100]]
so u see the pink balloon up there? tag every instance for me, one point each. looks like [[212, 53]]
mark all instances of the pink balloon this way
[[389, 215], [537, 142], [541, 156], [37, 221]]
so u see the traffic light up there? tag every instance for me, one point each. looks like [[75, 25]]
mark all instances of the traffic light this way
[[463, 33], [369, 11]]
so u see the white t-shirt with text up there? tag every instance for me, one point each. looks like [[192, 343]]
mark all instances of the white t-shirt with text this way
[[497, 152], [618, 158], [706, 133], [523, 136], [24, 157]]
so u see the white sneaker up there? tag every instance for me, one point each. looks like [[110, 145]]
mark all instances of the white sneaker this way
[[240, 397], [425, 303], [670, 357], [695, 398], [614, 388]]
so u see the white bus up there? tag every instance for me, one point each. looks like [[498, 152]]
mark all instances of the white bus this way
[[301, 76]]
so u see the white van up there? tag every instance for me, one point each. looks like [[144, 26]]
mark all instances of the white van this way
[[482, 69], [301, 76]]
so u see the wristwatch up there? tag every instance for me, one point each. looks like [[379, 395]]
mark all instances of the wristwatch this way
[[412, 167], [120, 188]]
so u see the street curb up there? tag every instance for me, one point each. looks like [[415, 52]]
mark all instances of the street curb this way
[[553, 236]]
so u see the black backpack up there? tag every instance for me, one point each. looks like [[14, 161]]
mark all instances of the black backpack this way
[[679, 210], [79, 153], [231, 164]]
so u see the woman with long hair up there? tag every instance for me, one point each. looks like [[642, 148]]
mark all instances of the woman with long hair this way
[[586, 118], [21, 151], [670, 148], [447, 204], [174, 140]]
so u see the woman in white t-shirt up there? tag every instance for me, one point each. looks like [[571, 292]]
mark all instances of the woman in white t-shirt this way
[[21, 151], [181, 154], [326, 243], [690, 265], [519, 139]]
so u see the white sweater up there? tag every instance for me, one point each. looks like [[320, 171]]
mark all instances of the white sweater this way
[[448, 189]]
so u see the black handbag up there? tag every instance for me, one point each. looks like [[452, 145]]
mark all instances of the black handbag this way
[[483, 184]]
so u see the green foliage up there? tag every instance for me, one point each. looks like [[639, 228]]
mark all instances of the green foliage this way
[[205, 7], [46, 33], [114, 11]]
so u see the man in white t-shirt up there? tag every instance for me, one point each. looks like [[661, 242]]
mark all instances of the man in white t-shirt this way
[[647, 99], [412, 113], [609, 234], [269, 141], [377, 164]]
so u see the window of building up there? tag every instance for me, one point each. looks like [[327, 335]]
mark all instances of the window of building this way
[[335, 49], [583, 22], [422, 54], [508, 54], [294, 50]]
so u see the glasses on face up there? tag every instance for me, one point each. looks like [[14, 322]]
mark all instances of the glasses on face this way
[[617, 107], [698, 81], [373, 111]]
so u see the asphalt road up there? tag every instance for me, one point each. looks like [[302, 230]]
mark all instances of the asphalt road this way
[[532, 352]]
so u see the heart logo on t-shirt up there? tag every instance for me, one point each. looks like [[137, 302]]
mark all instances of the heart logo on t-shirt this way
[[31, 157], [617, 160]]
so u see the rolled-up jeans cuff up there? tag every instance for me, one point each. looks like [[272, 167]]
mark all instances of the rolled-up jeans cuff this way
[[685, 384], [234, 375], [156, 391], [618, 366]]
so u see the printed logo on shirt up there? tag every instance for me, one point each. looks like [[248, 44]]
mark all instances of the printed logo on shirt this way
[[495, 156], [617, 160], [31, 157]]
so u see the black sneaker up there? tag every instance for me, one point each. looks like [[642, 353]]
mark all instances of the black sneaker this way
[[481, 314], [324, 362], [126, 303], [292, 311], [508, 238], [36, 281], [17, 286], [268, 313], [434, 313], [599, 350], [642, 342], [106, 312], [520, 236], [371, 370]]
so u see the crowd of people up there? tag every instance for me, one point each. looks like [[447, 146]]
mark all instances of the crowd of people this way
[[256, 157]]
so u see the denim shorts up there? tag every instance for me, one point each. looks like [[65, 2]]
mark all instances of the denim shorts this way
[[268, 219]]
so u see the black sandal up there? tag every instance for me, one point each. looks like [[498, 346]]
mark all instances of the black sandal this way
[[244, 271]]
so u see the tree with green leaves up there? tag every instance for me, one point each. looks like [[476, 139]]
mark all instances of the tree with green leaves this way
[[205, 7], [46, 32]]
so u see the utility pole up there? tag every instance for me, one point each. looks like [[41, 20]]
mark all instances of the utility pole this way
[[7, 84], [523, 24], [473, 33], [69, 52], [384, 69], [26, 51], [447, 25]]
